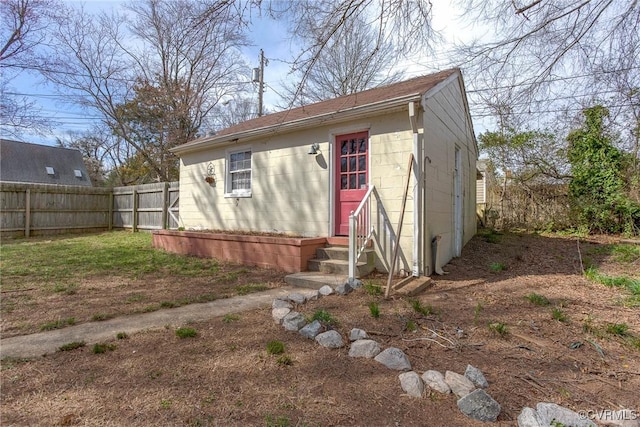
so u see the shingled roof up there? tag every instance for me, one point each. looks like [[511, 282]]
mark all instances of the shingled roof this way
[[43, 164], [384, 97]]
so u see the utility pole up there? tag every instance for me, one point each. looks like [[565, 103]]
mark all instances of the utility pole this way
[[259, 78]]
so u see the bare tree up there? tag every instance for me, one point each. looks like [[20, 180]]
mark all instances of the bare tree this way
[[96, 146], [24, 25], [539, 49], [621, 85], [162, 56], [352, 61], [23, 28], [233, 111], [543, 39], [318, 24]]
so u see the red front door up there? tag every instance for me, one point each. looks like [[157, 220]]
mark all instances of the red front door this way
[[351, 163]]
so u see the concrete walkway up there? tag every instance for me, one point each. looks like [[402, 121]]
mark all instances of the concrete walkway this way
[[39, 344]]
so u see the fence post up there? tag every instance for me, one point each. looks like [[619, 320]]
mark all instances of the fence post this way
[[110, 209], [165, 205], [27, 213], [134, 219]]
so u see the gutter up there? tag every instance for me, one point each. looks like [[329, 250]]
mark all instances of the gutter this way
[[389, 105]]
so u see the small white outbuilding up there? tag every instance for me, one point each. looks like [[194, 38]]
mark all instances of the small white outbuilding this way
[[304, 171]]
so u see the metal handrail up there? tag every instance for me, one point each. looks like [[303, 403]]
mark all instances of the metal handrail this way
[[360, 231]]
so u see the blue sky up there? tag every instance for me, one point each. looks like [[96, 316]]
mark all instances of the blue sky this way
[[267, 34]]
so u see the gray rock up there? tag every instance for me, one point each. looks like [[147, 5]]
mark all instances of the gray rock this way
[[411, 384], [311, 330], [459, 384], [330, 339], [280, 303], [343, 289], [293, 321], [364, 348], [621, 418], [279, 313], [479, 406], [311, 294], [476, 376], [297, 298], [435, 380], [394, 358], [357, 334], [549, 412], [355, 283], [325, 290], [529, 418]]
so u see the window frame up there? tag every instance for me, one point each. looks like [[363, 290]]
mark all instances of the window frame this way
[[228, 190]]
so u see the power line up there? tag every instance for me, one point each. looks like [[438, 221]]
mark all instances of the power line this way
[[561, 110], [556, 79], [478, 105], [102, 78]]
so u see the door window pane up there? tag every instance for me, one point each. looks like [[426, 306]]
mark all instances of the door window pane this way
[[352, 181], [362, 146], [362, 163]]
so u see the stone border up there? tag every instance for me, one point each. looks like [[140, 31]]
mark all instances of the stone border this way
[[473, 401]]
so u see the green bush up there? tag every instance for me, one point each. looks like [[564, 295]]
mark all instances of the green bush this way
[[324, 317], [538, 299], [71, 346], [374, 309], [103, 348], [186, 332], [599, 190], [275, 347]]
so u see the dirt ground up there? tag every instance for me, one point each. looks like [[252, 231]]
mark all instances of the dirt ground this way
[[225, 377], [104, 297]]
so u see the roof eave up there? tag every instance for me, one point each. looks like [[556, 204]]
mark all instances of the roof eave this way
[[326, 118]]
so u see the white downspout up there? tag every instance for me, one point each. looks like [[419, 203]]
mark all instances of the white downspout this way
[[417, 190]]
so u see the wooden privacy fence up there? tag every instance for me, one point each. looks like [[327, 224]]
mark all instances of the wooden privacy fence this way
[[146, 207], [39, 209], [541, 206]]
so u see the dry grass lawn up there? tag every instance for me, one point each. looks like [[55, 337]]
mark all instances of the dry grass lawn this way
[[517, 306]]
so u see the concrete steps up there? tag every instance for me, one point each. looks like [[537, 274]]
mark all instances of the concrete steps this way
[[335, 260], [314, 279], [331, 267]]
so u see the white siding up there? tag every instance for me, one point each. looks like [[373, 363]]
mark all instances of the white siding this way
[[480, 190], [291, 190], [447, 126]]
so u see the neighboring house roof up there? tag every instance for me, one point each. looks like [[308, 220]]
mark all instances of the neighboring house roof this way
[[380, 99], [34, 163]]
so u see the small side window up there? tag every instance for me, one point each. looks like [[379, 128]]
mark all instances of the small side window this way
[[238, 173]]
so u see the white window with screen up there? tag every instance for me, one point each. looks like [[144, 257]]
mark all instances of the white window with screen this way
[[238, 179]]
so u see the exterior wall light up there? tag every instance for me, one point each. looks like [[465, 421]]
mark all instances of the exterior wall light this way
[[314, 149]]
